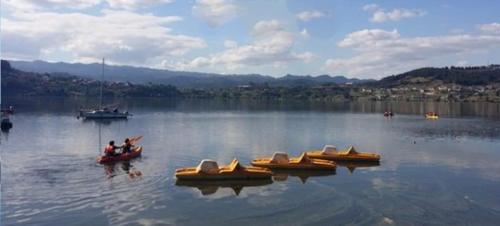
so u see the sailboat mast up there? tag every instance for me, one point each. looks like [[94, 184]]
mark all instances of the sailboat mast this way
[[102, 80]]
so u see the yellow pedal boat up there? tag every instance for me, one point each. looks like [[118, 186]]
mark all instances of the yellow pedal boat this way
[[280, 160], [330, 152], [209, 170]]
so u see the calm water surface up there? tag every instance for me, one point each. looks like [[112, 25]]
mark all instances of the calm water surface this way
[[438, 172]]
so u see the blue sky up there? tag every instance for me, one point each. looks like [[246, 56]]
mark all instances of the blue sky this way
[[365, 39]]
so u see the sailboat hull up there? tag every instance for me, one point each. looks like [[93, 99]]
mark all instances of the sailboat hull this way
[[104, 115]]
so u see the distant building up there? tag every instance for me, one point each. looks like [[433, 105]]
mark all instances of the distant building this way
[[244, 86]]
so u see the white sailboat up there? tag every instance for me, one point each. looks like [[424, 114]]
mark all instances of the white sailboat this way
[[103, 112]]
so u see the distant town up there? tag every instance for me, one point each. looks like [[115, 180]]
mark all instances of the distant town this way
[[448, 92]]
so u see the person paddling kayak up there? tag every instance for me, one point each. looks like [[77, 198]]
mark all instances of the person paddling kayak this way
[[127, 146], [109, 150]]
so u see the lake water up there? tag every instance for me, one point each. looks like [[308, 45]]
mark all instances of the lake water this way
[[444, 171]]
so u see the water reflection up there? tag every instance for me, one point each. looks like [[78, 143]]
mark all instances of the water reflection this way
[[4, 135], [209, 187], [66, 106], [53, 179], [303, 175], [104, 121], [111, 169], [445, 128], [351, 166]]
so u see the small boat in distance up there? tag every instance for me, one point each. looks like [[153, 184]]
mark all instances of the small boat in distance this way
[[388, 114], [6, 124], [9, 110], [431, 115], [103, 113]]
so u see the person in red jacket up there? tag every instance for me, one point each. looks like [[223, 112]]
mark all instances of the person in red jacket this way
[[110, 149]]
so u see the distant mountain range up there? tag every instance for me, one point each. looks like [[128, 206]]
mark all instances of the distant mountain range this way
[[181, 79], [478, 83]]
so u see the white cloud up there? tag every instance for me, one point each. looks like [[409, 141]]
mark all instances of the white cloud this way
[[367, 38], [266, 27], [272, 45], [30, 5], [305, 56], [309, 15], [371, 7], [230, 44], [120, 36], [305, 34], [134, 4], [490, 28], [381, 15], [381, 53], [215, 12], [462, 63]]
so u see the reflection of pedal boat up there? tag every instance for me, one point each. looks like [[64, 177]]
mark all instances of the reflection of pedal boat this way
[[352, 165], [123, 157], [208, 187], [280, 160], [303, 175], [330, 152], [209, 170]]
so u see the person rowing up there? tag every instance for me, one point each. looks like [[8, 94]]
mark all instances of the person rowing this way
[[127, 146], [109, 150]]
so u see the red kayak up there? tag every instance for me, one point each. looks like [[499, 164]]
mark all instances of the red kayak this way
[[136, 152]]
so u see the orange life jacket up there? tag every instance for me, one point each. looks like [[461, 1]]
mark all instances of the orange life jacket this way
[[109, 149]]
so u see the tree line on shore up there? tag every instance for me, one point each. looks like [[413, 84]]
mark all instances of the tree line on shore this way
[[20, 83]]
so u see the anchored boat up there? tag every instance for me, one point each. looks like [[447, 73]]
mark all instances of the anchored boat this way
[[280, 160], [210, 170], [330, 152], [103, 113], [6, 124]]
